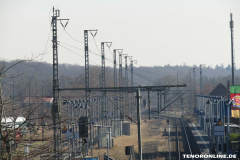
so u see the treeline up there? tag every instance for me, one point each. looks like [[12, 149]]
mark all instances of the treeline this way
[[36, 77]]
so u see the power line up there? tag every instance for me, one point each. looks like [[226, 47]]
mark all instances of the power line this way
[[72, 37], [108, 59]]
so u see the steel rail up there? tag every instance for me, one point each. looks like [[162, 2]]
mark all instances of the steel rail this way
[[185, 135]]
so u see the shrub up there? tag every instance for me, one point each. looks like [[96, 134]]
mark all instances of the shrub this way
[[234, 137]]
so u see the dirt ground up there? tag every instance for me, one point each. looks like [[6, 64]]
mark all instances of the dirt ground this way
[[154, 142]]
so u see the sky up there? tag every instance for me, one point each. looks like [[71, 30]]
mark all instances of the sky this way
[[153, 32]]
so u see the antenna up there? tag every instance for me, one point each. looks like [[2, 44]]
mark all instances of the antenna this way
[[232, 50]]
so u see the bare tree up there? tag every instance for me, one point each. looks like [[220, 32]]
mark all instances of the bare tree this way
[[14, 132]]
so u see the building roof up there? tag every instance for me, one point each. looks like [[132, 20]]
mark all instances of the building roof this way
[[220, 90], [38, 99]]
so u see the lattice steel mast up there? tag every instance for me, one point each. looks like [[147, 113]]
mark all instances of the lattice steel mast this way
[[116, 111], [87, 83], [120, 85], [132, 84], [104, 107], [126, 85], [55, 108]]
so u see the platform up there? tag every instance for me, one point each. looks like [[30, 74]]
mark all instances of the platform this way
[[201, 137]]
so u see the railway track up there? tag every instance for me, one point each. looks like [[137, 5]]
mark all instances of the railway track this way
[[185, 142], [181, 138], [187, 147]]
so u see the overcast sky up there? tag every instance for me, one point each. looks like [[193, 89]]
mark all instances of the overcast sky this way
[[154, 32]]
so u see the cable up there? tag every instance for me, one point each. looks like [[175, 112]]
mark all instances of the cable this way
[[117, 63], [71, 50], [124, 67], [72, 46], [75, 53], [156, 74], [110, 50], [72, 37], [41, 54], [97, 64], [96, 45], [12, 83], [6, 86], [107, 60], [117, 108], [39, 62]]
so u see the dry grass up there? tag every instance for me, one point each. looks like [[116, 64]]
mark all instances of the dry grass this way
[[154, 141], [118, 150]]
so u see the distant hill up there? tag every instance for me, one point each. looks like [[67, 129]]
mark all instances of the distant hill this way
[[73, 75]]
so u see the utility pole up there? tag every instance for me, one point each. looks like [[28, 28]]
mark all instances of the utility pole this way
[[42, 114], [104, 114], [55, 105], [232, 50], [201, 103], [115, 85], [149, 110], [121, 85], [33, 106], [13, 109], [164, 99], [100, 81], [87, 83], [132, 86], [124, 99], [139, 124], [13, 99], [104, 107], [160, 98], [126, 85], [158, 102], [201, 83], [200, 79], [169, 140], [29, 103], [190, 87], [177, 79], [194, 85], [2, 112], [100, 86], [132, 94]]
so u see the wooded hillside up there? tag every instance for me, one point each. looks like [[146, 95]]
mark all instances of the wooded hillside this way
[[39, 74]]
